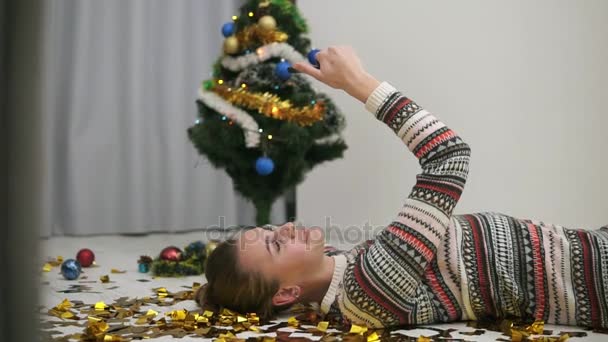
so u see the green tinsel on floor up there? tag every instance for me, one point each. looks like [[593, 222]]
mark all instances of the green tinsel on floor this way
[[191, 263]]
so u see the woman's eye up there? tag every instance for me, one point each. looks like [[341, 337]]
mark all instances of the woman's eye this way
[[278, 245]]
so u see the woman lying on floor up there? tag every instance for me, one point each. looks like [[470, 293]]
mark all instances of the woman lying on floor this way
[[427, 266]]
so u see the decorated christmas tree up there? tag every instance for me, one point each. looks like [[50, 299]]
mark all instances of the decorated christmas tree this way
[[266, 126]]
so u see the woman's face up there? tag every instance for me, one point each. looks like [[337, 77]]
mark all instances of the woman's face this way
[[285, 253]]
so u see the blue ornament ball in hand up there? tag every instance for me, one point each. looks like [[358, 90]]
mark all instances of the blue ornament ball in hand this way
[[70, 269], [264, 166], [282, 70], [228, 29], [312, 58]]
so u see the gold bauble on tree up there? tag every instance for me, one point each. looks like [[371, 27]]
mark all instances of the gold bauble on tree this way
[[267, 22], [231, 45]]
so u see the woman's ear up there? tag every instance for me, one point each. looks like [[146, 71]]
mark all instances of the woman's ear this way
[[286, 295]]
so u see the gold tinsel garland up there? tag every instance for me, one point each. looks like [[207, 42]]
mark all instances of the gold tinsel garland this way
[[271, 105], [254, 35]]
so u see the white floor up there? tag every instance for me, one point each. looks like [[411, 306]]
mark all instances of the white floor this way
[[122, 252]]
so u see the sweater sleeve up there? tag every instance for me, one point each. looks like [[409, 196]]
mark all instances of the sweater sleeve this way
[[382, 287]]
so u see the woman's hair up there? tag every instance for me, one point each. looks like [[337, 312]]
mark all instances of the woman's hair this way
[[232, 287]]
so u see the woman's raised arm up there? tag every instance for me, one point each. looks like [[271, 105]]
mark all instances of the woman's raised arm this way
[[381, 288]]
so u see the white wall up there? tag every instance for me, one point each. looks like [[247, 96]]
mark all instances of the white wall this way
[[523, 82]]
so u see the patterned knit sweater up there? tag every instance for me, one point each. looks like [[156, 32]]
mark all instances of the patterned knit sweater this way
[[429, 266]]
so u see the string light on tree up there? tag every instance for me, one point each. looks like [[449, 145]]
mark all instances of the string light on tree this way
[[261, 52]]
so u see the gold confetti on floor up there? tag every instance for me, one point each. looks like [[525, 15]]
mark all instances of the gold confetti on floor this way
[[128, 319]]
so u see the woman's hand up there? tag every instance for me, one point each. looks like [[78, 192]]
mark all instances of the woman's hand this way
[[341, 69]]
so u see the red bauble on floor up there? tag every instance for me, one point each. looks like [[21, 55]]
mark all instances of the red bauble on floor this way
[[171, 253], [85, 257]]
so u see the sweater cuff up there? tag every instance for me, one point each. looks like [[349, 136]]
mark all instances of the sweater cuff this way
[[378, 96]]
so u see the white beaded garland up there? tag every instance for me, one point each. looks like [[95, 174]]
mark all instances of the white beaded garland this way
[[262, 54]]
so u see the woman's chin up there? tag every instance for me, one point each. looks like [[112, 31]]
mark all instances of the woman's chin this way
[[315, 237]]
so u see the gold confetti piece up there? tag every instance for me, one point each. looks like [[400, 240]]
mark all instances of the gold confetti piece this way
[[517, 335], [97, 328], [292, 321], [112, 338], [208, 313], [323, 326], [68, 315], [254, 328], [93, 319], [100, 306], [55, 262], [241, 319], [269, 339], [357, 329], [104, 279], [536, 328], [227, 335], [64, 305], [177, 315], [114, 270], [161, 292], [151, 313], [202, 319], [142, 320], [373, 337], [47, 267], [55, 313], [161, 322], [423, 339], [253, 318], [228, 312], [564, 337]]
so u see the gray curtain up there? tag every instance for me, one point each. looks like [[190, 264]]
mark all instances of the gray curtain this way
[[118, 91]]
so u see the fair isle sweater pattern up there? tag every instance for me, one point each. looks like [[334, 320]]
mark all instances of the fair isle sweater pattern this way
[[428, 266]]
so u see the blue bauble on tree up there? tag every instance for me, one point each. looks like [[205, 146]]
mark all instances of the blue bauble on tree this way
[[228, 29], [70, 269], [312, 58], [264, 166], [282, 70]]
